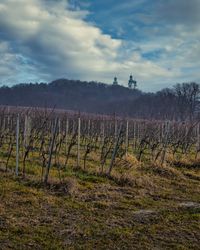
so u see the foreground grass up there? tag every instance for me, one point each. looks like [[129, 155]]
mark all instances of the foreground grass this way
[[161, 210]]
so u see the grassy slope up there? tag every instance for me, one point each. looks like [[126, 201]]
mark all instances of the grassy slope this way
[[95, 212]]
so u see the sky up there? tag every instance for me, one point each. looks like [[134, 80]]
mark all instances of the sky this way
[[158, 41]]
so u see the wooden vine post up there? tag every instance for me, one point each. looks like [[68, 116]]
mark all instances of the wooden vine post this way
[[17, 147], [114, 152], [66, 134], [127, 134], [51, 152], [78, 143]]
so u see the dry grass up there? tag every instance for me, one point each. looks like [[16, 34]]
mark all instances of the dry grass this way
[[165, 170], [140, 207]]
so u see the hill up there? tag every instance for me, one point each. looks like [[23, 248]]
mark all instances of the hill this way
[[89, 97], [181, 102]]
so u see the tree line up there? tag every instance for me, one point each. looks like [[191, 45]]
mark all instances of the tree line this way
[[181, 102]]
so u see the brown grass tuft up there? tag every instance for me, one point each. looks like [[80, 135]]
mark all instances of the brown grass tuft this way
[[163, 171], [71, 186], [124, 179]]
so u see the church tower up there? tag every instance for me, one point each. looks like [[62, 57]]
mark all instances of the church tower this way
[[132, 83], [115, 82]]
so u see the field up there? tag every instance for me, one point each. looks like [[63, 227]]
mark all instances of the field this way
[[122, 184]]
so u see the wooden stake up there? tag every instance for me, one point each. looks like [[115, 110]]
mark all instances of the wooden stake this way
[[127, 134], [114, 152], [66, 135], [78, 144], [17, 147], [51, 152]]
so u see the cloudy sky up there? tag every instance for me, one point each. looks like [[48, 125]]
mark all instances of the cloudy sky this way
[[158, 41]]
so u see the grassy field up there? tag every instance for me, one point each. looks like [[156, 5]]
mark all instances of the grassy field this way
[[150, 207]]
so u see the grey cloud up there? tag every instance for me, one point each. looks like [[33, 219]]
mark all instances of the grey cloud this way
[[179, 11]]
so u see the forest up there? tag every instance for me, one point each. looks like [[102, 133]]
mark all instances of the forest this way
[[181, 102]]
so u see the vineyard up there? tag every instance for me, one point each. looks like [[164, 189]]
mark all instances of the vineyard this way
[[78, 181], [39, 141]]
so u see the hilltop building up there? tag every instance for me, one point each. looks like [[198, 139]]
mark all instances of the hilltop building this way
[[115, 82], [132, 83]]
